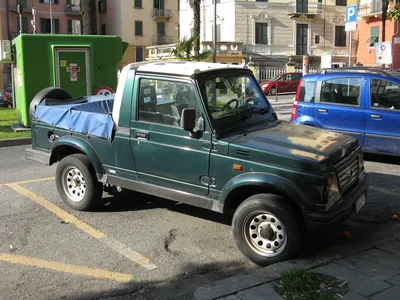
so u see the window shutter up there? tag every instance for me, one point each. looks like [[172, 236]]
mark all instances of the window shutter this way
[[42, 25], [56, 26], [69, 25]]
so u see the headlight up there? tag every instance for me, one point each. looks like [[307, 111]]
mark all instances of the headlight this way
[[331, 188]]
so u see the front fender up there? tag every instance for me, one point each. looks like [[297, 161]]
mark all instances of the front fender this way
[[275, 183], [64, 145]]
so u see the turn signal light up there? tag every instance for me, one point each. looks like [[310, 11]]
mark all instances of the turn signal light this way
[[237, 167]]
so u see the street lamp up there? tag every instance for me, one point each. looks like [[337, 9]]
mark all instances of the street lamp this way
[[215, 33]]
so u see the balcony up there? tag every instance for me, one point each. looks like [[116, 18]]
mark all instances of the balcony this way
[[302, 7], [13, 4], [161, 13], [369, 8], [162, 39], [223, 48], [72, 9]]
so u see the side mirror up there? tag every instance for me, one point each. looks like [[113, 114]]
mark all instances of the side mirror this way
[[188, 119]]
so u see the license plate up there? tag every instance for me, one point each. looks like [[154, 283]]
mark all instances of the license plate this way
[[360, 203]]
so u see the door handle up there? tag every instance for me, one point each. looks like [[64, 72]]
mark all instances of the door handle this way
[[142, 135], [322, 110], [373, 116]]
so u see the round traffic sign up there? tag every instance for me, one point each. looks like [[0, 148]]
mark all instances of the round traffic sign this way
[[383, 47], [103, 91]]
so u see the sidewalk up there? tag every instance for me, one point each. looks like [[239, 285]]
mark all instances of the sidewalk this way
[[372, 273]]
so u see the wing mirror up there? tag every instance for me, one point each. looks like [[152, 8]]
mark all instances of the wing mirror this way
[[188, 122]]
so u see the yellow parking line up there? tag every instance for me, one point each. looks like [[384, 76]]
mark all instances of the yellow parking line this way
[[62, 214], [33, 180], [66, 268]]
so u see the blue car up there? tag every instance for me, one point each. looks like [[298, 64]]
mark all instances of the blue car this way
[[361, 102]]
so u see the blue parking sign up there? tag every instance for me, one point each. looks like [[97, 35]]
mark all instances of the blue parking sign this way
[[351, 13]]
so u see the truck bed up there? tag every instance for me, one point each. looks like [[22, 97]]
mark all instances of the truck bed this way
[[88, 115]]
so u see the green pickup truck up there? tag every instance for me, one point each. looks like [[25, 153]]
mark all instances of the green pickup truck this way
[[203, 134]]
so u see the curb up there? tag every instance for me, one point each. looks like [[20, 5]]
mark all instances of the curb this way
[[15, 142]]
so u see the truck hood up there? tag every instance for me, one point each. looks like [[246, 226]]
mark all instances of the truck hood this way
[[292, 145]]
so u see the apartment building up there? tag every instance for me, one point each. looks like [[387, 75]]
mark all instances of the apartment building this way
[[64, 17], [141, 23], [273, 31], [369, 31]]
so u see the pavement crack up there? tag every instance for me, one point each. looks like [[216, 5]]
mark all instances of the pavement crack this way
[[170, 238]]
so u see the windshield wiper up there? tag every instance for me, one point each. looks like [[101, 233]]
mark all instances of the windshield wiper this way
[[254, 110]]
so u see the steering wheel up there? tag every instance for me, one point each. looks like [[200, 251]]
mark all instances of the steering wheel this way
[[228, 104]]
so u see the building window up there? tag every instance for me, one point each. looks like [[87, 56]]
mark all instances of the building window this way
[[316, 41], [261, 33], [341, 2], [24, 24], [139, 54], [45, 26], [138, 28], [158, 4], [138, 3], [75, 27], [301, 39], [103, 30], [374, 37], [48, 1], [340, 36], [218, 35]]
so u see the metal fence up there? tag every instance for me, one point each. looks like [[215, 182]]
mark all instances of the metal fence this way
[[266, 73]]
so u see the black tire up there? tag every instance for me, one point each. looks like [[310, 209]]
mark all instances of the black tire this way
[[273, 212], [272, 91], [50, 92], [84, 185]]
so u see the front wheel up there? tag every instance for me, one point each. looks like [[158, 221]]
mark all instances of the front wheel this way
[[266, 229], [77, 183], [272, 91]]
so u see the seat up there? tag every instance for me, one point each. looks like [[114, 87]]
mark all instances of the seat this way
[[148, 109]]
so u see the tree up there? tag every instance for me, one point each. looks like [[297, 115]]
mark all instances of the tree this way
[[394, 13], [89, 18], [195, 5], [183, 50]]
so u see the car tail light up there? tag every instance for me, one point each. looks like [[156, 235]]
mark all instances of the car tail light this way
[[4, 96], [294, 108]]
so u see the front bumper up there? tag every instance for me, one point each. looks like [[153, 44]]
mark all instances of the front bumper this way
[[323, 221], [37, 155]]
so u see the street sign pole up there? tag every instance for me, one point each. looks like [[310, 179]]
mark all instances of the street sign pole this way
[[351, 39]]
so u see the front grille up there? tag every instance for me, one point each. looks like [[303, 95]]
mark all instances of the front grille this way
[[348, 172]]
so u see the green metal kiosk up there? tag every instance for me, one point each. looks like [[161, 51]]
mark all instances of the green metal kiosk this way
[[81, 64]]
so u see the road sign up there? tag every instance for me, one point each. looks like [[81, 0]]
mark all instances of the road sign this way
[[383, 53], [351, 18]]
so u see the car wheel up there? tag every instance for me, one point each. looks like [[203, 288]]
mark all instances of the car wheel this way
[[77, 182], [272, 91], [267, 230], [50, 92]]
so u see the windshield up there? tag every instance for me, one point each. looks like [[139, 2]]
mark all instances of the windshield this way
[[232, 100]]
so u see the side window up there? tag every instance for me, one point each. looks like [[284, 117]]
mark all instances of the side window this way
[[296, 76], [307, 91], [385, 94], [341, 91], [162, 101]]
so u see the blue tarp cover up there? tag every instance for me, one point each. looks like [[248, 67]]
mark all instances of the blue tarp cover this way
[[92, 117]]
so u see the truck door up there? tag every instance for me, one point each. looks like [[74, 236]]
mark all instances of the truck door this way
[[73, 70], [164, 153]]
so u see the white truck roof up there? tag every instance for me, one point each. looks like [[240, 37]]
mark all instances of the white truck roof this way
[[185, 68]]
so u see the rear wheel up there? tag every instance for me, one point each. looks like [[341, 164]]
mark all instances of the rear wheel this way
[[267, 229], [77, 183]]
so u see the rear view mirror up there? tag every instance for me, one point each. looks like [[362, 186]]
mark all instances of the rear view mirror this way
[[188, 119]]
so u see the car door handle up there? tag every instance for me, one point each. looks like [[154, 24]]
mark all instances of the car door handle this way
[[322, 110], [373, 116], [142, 135]]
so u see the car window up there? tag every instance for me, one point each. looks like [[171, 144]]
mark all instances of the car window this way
[[385, 94], [296, 76], [162, 101], [344, 90], [307, 91]]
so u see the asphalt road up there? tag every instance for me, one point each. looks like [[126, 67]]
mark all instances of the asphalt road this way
[[140, 247]]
